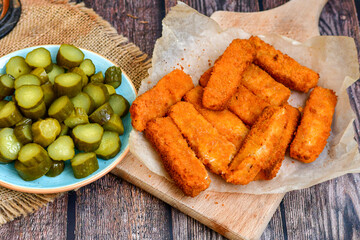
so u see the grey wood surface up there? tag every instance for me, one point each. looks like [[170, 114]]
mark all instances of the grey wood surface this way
[[111, 208]]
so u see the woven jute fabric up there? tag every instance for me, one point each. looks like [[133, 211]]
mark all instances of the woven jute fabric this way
[[56, 22]]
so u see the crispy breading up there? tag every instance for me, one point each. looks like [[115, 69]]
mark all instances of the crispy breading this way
[[264, 86], [226, 75], [293, 116], [246, 105], [187, 171], [283, 68], [315, 127], [156, 102], [227, 123], [213, 149], [258, 147], [204, 79]]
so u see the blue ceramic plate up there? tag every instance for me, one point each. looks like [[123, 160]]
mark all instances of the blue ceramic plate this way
[[66, 180]]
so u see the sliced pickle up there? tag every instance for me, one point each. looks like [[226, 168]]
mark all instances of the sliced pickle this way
[[102, 114], [9, 115], [41, 74], [6, 85], [3, 103], [62, 149], [97, 78], [39, 57], [69, 56], [109, 146], [114, 124], [61, 108], [27, 79], [113, 76], [84, 78], [77, 117], [23, 133], [64, 130], [9, 145], [98, 92], [56, 70], [87, 137], [68, 84], [35, 113], [24, 121], [111, 89], [88, 67], [17, 66], [84, 101], [45, 131], [49, 93], [84, 164], [29, 96], [57, 167], [119, 104]]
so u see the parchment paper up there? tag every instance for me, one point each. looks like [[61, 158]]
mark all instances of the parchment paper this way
[[192, 42]]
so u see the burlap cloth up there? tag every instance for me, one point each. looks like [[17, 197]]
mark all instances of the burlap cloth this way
[[43, 22]]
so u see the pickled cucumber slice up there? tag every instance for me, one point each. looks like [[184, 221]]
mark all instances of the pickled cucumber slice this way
[[87, 137], [9, 115], [6, 85], [69, 56], [24, 121], [45, 131], [111, 89], [84, 78], [23, 134], [61, 108], [84, 164], [35, 113], [77, 117], [56, 70], [17, 66], [97, 78], [84, 101], [29, 96], [109, 146], [39, 57], [114, 124], [119, 104], [3, 103], [98, 92], [62, 149], [69, 84], [102, 114], [41, 74], [113, 76], [33, 162], [9, 145], [26, 79], [49, 93], [88, 67], [57, 167], [64, 130]]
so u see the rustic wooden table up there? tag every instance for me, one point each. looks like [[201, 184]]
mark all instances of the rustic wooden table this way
[[111, 208]]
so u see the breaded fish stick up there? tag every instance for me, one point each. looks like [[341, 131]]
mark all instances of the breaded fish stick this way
[[246, 105], [156, 102], [293, 116], [283, 68], [315, 126], [227, 123], [260, 144], [187, 171], [204, 79], [226, 75], [264, 86], [213, 149]]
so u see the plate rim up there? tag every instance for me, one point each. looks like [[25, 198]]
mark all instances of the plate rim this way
[[84, 182]]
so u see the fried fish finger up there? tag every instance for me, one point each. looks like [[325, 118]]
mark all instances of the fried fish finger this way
[[213, 149], [293, 116], [156, 102], [187, 171], [227, 123], [246, 105], [315, 126], [204, 79], [260, 144], [264, 86], [226, 75], [283, 68]]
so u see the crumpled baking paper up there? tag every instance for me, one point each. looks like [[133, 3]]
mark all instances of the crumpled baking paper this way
[[192, 42]]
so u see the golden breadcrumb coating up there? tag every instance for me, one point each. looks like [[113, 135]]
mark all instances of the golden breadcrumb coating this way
[[156, 102], [187, 171]]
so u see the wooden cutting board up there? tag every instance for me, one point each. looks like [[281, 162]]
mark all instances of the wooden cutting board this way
[[234, 215]]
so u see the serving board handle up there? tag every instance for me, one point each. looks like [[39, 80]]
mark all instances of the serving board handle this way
[[297, 19]]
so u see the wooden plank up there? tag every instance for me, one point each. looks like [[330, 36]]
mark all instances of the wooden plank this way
[[111, 208], [140, 21], [49, 221]]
